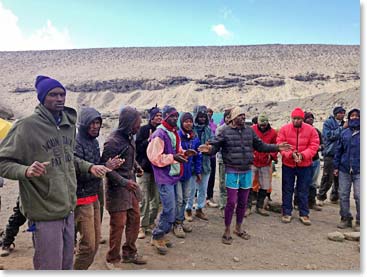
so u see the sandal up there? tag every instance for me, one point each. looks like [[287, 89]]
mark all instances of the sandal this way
[[242, 235], [227, 240]]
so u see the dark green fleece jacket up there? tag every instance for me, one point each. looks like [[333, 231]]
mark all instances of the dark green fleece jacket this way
[[38, 138]]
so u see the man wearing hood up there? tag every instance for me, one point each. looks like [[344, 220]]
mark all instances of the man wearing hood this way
[[150, 196], [166, 155], [122, 192], [262, 167], [297, 164], [87, 211], [204, 133], [331, 131], [347, 168], [39, 152]]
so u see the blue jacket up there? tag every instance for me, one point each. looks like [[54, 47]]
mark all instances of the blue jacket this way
[[194, 163], [347, 152], [330, 134]]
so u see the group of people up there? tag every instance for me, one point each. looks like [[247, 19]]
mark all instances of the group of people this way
[[57, 159]]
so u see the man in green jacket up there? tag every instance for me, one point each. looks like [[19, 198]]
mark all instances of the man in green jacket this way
[[39, 152]]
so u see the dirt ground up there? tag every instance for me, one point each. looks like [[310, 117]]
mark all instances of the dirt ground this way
[[273, 245]]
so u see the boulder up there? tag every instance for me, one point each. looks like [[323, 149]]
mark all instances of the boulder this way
[[336, 236], [6, 112], [352, 236]]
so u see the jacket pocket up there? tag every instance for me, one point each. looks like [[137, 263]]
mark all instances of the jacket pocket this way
[[57, 191]]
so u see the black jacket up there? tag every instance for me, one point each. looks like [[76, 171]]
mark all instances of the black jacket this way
[[87, 148], [238, 147], [142, 145]]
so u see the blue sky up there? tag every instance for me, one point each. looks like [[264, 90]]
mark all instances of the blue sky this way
[[41, 24]]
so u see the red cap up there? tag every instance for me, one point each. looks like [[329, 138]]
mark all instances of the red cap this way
[[297, 112]]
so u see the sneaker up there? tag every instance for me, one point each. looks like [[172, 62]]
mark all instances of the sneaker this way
[[188, 215], [345, 223], [320, 202], [248, 212], [305, 220], [141, 234], [211, 203], [262, 212], [178, 231], [137, 259], [160, 245], [187, 227], [6, 250], [286, 219], [200, 214]]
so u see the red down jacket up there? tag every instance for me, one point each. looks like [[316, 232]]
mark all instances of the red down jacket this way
[[304, 140], [269, 136]]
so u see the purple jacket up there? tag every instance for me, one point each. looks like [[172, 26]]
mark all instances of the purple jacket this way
[[160, 152]]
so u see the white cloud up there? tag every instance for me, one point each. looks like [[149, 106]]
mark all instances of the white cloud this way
[[13, 39], [221, 31]]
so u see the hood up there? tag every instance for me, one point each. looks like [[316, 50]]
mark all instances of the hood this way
[[85, 118], [127, 119], [200, 110], [352, 111]]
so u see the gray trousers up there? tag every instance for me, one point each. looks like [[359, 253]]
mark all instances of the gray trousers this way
[[53, 243], [150, 200]]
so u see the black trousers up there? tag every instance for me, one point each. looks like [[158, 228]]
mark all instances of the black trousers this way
[[211, 182]]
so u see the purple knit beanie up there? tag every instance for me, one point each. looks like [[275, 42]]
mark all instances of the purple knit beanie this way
[[44, 84]]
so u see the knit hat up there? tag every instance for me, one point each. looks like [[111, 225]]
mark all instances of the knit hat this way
[[153, 112], [44, 84], [236, 111], [338, 109], [263, 118], [168, 111], [297, 112], [309, 115]]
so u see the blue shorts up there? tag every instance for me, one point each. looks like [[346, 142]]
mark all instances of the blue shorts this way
[[239, 180]]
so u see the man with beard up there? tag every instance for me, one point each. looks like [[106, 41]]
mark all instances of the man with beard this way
[[87, 211], [166, 155], [297, 164], [150, 196], [39, 152], [347, 168]]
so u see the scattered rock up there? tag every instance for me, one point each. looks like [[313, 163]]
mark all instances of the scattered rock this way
[[354, 236], [236, 259], [336, 236], [311, 267], [311, 76], [23, 90], [6, 112]]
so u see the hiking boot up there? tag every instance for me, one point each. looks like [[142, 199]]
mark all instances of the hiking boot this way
[[136, 259], [262, 212], [286, 219], [211, 203], [6, 250], [141, 234], [160, 245], [345, 223], [187, 227], [188, 215], [248, 212], [178, 231], [305, 220], [200, 214]]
